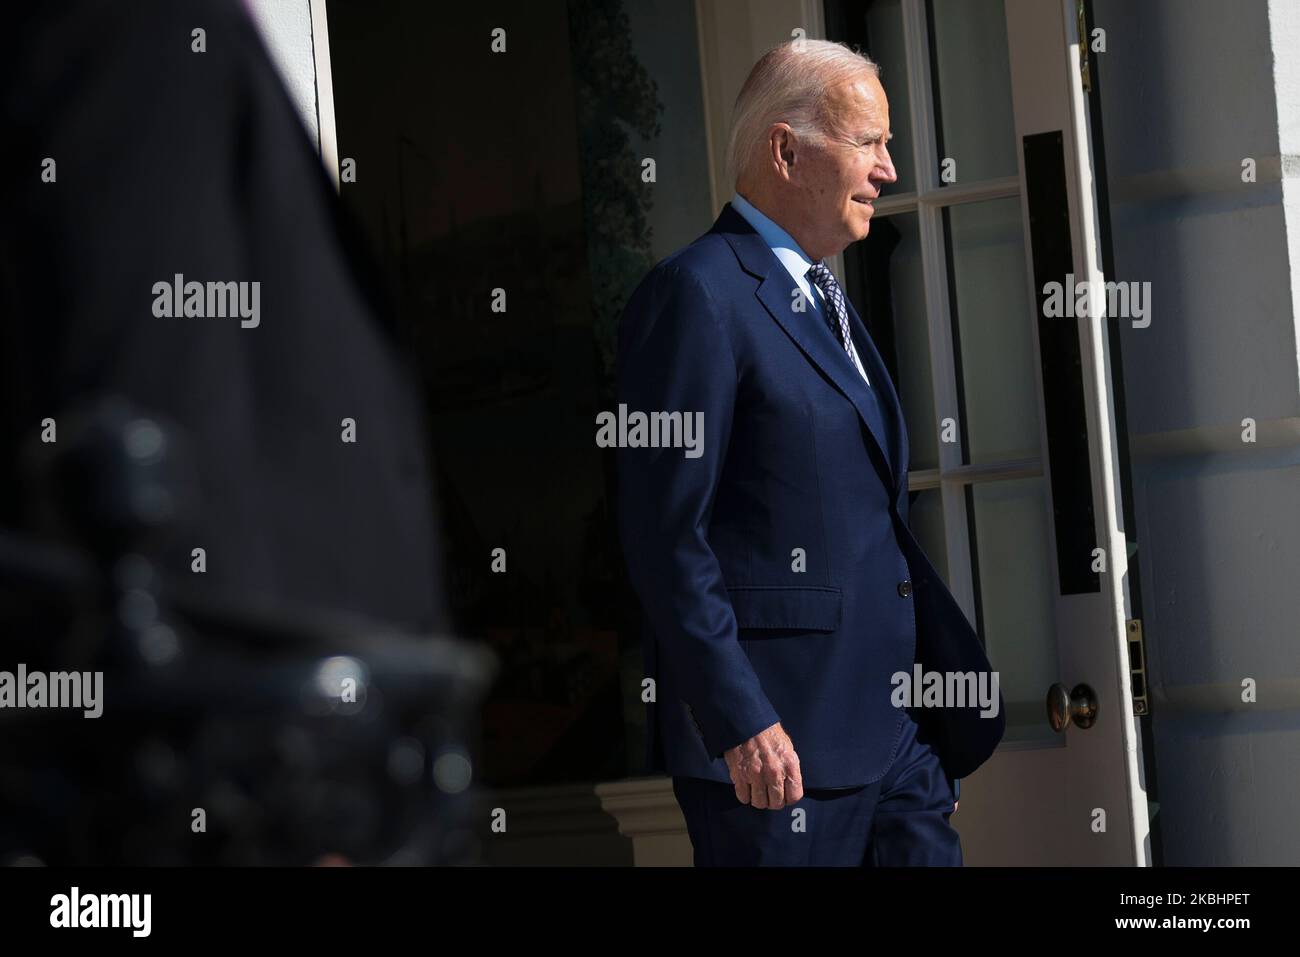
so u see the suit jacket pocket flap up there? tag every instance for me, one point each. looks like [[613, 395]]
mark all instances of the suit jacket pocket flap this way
[[797, 607]]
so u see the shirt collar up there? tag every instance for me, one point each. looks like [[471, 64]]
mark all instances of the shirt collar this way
[[782, 244]]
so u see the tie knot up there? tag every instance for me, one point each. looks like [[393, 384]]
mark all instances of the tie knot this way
[[822, 276]]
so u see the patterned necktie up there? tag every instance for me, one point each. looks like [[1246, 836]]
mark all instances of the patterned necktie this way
[[838, 313], [838, 317]]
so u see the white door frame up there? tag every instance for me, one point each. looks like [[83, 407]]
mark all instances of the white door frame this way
[[1105, 771]]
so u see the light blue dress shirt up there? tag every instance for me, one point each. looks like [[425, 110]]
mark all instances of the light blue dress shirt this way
[[794, 259]]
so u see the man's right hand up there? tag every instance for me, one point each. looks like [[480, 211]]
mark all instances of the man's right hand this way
[[765, 770]]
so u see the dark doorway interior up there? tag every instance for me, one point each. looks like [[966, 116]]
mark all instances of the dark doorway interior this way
[[489, 178]]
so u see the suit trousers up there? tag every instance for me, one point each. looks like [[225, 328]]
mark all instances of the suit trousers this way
[[900, 820]]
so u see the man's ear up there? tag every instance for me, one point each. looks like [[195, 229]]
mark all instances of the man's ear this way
[[781, 143]]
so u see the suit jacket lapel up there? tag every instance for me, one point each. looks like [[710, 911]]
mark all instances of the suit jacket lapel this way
[[813, 337], [890, 404]]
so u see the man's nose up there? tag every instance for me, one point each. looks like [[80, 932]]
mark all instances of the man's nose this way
[[884, 170]]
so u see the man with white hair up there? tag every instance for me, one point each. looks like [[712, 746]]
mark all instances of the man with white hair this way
[[784, 594]]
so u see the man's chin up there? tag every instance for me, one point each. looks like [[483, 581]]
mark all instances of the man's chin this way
[[861, 225]]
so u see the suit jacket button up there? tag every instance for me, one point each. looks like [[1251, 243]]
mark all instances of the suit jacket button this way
[[905, 588]]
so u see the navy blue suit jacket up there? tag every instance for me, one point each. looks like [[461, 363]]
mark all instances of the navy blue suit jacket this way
[[796, 455]]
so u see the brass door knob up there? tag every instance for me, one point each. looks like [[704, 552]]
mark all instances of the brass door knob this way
[[1077, 707]]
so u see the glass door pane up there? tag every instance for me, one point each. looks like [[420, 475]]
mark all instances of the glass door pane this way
[[974, 123], [893, 300], [1012, 569], [992, 331]]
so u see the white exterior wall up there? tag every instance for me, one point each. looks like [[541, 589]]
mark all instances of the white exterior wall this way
[[1189, 89]]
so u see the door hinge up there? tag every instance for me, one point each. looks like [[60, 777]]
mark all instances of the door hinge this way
[[1137, 667]]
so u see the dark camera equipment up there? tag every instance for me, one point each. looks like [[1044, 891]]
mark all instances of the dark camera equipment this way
[[234, 729]]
